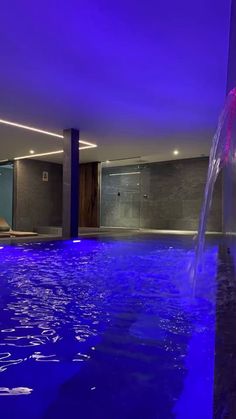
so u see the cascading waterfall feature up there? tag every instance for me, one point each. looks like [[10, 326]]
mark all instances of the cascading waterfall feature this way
[[222, 153]]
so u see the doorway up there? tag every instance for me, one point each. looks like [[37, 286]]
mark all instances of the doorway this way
[[6, 192], [120, 197]]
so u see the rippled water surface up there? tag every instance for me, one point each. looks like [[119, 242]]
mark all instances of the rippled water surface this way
[[105, 329]]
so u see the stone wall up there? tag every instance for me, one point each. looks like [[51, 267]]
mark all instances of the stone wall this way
[[37, 202], [229, 178], [166, 195]]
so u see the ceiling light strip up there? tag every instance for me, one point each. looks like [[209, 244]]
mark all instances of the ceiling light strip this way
[[50, 153], [41, 131], [87, 143], [31, 156], [124, 174], [86, 147]]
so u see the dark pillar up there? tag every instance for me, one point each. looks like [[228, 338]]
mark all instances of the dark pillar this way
[[70, 214]]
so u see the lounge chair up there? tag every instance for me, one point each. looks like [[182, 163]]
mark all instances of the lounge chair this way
[[23, 233], [6, 231], [4, 235]]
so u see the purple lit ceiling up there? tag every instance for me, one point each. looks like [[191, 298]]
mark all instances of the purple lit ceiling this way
[[138, 78]]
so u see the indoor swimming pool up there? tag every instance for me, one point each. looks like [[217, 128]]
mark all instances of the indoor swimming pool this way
[[107, 328]]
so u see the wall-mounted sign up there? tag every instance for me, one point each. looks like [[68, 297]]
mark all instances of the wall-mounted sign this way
[[45, 177]]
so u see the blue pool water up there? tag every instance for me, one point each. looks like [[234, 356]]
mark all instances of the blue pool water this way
[[106, 329]]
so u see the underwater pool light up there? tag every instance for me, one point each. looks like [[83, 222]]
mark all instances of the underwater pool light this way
[[1, 247], [76, 241]]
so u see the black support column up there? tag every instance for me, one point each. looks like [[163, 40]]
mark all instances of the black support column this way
[[70, 215]]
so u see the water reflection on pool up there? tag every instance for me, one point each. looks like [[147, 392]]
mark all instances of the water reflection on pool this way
[[106, 329]]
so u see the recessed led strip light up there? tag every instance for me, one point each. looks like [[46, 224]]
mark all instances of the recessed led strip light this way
[[50, 153], [86, 144], [30, 156], [41, 131], [124, 174]]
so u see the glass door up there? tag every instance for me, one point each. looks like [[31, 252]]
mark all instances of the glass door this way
[[120, 196], [6, 192]]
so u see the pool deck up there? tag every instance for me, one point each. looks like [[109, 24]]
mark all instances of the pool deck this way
[[107, 232]]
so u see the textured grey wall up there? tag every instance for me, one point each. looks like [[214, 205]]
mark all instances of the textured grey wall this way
[[229, 198], [6, 193], [120, 197], [229, 178], [166, 195], [37, 203]]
